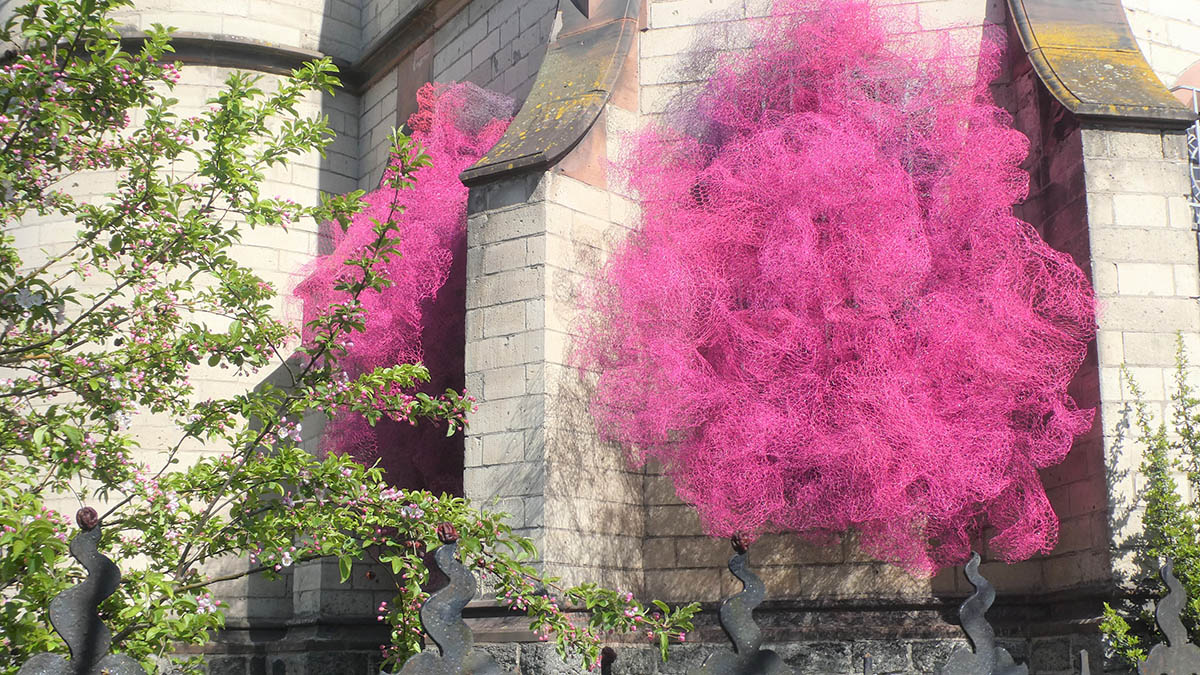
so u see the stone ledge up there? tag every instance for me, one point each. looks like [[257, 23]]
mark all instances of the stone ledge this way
[[1086, 55]]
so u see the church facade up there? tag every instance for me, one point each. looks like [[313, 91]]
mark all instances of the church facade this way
[[1088, 81]]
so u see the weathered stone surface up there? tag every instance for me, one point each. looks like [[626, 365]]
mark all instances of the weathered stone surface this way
[[506, 656], [1050, 654], [688, 657], [227, 665], [887, 656], [928, 656], [542, 659], [817, 657], [636, 660], [1016, 648]]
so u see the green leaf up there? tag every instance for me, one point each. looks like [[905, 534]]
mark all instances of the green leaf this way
[[73, 434], [345, 567]]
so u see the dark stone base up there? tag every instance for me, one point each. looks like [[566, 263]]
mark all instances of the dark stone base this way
[[351, 649], [813, 639], [1044, 656]]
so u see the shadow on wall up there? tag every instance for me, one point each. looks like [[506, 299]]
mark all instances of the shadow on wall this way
[[268, 604], [1057, 208]]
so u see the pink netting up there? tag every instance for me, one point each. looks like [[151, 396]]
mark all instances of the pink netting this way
[[829, 320], [420, 317]]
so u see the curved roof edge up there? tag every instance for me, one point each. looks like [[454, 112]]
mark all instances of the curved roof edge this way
[[230, 51], [1086, 55], [572, 86]]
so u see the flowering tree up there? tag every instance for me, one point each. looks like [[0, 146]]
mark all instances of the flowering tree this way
[[109, 330], [420, 317]]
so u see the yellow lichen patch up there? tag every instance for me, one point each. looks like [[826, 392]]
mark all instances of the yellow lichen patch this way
[[1080, 35], [1107, 76]]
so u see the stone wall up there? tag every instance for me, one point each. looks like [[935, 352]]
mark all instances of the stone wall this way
[[377, 17], [329, 27], [529, 241], [1057, 207], [530, 448], [1145, 269], [497, 45], [1111, 197], [903, 656], [1168, 34], [273, 254], [679, 560], [308, 616]]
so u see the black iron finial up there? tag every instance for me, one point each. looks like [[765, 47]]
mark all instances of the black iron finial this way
[[608, 656], [1178, 655], [441, 617], [986, 658], [736, 617], [75, 615]]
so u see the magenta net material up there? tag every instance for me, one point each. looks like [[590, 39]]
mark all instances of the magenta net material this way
[[420, 318], [828, 320]]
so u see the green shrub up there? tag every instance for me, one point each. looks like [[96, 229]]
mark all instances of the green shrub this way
[[1169, 522]]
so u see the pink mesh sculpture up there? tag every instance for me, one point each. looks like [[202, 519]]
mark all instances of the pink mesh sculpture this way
[[420, 318], [828, 320]]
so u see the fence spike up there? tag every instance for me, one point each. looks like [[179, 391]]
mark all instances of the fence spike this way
[[441, 617], [1177, 655], [74, 613], [736, 617], [986, 658]]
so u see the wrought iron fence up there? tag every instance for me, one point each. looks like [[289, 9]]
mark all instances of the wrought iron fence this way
[[1193, 153], [74, 615]]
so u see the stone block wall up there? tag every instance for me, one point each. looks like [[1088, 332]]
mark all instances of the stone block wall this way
[[1144, 260], [1168, 34], [273, 254], [594, 514], [328, 27], [377, 17], [1057, 207], [530, 448], [378, 114], [497, 45], [505, 317], [1111, 197], [679, 559], [1044, 656]]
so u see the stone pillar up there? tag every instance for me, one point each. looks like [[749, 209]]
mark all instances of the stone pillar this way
[[1144, 263], [531, 449], [541, 217]]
